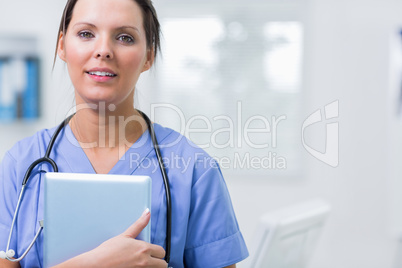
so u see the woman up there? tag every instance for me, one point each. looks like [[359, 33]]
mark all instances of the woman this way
[[106, 45]]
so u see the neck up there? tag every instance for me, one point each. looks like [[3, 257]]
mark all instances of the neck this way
[[107, 126]]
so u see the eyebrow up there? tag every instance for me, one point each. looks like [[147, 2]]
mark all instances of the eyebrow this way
[[130, 27], [119, 28]]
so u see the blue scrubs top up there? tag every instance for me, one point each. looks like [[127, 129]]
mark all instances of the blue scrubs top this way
[[205, 232]]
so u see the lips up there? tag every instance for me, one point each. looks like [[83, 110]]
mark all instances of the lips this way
[[101, 74]]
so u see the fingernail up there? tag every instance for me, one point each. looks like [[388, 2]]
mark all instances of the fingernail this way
[[146, 212]]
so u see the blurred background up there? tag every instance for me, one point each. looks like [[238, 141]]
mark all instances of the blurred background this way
[[255, 64]]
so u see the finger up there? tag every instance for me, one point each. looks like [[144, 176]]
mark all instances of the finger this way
[[157, 252], [135, 229], [157, 263]]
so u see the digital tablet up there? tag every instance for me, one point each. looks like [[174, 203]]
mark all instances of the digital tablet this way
[[83, 210]]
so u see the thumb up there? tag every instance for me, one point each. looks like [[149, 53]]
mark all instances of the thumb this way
[[135, 229]]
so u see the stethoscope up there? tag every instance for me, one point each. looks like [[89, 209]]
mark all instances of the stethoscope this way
[[9, 253]]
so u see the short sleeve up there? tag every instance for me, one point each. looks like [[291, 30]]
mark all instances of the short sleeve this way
[[213, 235], [8, 198]]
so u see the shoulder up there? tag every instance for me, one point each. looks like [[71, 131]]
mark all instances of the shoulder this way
[[181, 153], [31, 147], [172, 140], [16, 160]]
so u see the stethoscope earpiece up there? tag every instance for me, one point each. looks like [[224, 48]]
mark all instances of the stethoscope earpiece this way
[[5, 255], [10, 253]]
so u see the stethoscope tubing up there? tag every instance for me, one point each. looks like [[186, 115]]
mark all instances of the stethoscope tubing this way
[[166, 183], [39, 161]]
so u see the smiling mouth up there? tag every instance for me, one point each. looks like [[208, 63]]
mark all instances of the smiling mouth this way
[[101, 74]]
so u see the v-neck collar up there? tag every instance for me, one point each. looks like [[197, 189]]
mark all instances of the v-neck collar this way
[[130, 161]]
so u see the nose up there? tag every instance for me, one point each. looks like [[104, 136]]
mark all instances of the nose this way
[[103, 49], [103, 55]]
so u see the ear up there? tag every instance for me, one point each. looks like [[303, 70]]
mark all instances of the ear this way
[[60, 48], [150, 60]]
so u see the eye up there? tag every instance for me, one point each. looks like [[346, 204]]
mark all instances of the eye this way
[[85, 34], [126, 39]]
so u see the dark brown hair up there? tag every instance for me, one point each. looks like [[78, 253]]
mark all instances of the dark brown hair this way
[[150, 21]]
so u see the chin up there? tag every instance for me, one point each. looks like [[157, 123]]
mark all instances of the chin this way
[[99, 98]]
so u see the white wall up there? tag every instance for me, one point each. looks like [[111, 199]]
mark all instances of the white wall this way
[[347, 59]]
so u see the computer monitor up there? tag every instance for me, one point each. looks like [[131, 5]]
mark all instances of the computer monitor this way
[[286, 238]]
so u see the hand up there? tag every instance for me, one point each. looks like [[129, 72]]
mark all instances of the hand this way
[[123, 251]]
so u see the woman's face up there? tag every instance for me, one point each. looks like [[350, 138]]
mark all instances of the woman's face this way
[[105, 50]]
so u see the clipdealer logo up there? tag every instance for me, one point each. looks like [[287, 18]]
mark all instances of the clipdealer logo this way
[[240, 138], [331, 154]]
